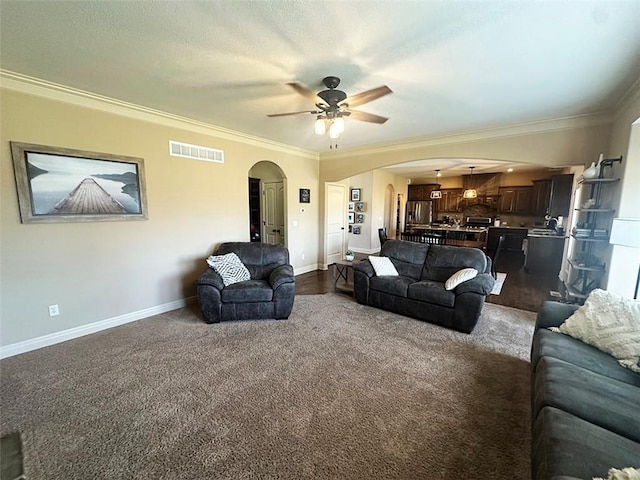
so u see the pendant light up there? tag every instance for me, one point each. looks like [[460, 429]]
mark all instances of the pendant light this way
[[470, 192], [435, 194]]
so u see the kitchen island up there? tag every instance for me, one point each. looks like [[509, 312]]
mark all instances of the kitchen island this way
[[447, 235]]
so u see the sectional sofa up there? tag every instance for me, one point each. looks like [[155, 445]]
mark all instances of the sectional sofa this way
[[585, 405]]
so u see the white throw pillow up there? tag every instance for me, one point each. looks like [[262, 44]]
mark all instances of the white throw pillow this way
[[624, 474], [383, 266], [610, 323], [229, 267], [459, 277]]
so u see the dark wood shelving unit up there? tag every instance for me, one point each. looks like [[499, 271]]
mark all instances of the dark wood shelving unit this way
[[585, 268]]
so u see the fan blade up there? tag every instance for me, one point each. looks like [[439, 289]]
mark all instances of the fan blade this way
[[291, 113], [304, 91], [368, 96], [366, 117]]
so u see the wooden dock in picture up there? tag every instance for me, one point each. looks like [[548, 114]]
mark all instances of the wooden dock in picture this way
[[88, 198]]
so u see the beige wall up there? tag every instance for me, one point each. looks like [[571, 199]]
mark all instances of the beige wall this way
[[625, 140], [103, 270], [565, 146]]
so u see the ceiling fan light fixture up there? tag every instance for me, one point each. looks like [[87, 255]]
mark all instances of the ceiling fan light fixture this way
[[334, 130], [339, 123], [320, 127]]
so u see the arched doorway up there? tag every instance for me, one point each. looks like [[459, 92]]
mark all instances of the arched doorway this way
[[267, 203]]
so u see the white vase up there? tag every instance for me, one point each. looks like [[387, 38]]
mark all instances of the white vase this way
[[591, 172]]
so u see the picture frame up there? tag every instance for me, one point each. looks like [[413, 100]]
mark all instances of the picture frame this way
[[350, 228], [351, 206], [305, 195], [360, 206], [57, 185], [355, 194], [360, 218], [351, 217], [356, 230]]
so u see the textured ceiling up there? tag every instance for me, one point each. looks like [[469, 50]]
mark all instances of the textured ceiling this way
[[453, 66]]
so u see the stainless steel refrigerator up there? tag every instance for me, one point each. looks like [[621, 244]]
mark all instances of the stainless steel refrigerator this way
[[419, 213]]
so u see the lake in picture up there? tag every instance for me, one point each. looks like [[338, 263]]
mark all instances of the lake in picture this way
[[53, 177]]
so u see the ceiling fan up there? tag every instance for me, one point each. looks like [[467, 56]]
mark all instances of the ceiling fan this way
[[332, 105]]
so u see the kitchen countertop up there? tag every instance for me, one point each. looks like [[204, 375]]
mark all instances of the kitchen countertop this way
[[449, 228]]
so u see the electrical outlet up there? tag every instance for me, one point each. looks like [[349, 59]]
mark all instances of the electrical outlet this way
[[54, 310]]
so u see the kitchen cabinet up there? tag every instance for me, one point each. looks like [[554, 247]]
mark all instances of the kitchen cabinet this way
[[421, 192], [515, 200], [451, 200], [544, 254], [540, 196], [560, 201], [513, 238], [552, 196]]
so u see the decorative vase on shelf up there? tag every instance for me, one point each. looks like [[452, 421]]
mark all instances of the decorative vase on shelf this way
[[591, 172]]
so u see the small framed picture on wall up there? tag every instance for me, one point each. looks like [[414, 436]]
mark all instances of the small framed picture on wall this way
[[305, 195], [356, 230], [351, 217], [360, 218], [351, 206], [355, 194], [360, 207]]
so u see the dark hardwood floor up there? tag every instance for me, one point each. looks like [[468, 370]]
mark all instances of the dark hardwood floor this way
[[520, 290]]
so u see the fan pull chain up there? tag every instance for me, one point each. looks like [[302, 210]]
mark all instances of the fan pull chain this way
[[331, 146]]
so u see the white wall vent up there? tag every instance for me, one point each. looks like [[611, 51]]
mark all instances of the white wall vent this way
[[195, 152]]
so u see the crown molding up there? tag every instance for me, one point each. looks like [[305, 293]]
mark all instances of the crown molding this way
[[516, 130], [629, 96], [61, 93]]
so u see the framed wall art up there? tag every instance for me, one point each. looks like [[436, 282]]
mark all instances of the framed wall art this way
[[351, 206], [360, 207], [63, 185], [305, 195], [355, 194], [351, 217]]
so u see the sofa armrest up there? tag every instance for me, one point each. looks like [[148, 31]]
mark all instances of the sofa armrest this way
[[553, 314], [481, 284], [211, 277], [281, 275], [365, 267]]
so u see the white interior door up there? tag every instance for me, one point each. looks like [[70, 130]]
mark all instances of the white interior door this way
[[336, 219], [273, 213]]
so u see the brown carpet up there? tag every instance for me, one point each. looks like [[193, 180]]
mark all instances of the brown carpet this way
[[338, 391]]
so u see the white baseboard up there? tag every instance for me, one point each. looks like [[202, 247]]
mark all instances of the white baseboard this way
[[306, 269], [365, 250], [63, 336]]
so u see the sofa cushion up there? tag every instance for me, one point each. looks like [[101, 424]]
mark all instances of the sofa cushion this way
[[564, 444], [229, 267], [557, 345], [247, 292], [383, 266], [443, 261], [600, 400], [259, 258], [431, 292], [407, 257], [610, 323], [393, 285]]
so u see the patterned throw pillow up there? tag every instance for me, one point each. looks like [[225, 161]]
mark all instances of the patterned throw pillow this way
[[459, 277], [383, 266], [229, 267], [610, 323]]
